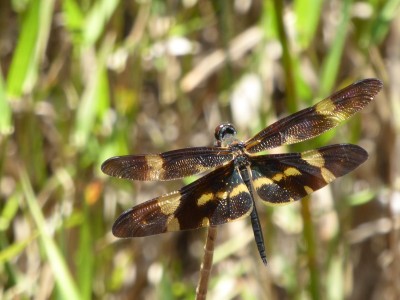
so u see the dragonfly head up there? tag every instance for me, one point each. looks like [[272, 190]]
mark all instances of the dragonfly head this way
[[225, 134]]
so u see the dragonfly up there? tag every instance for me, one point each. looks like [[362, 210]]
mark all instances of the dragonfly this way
[[238, 174]]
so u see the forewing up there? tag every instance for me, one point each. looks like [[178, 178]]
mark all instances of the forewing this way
[[214, 199], [168, 165], [283, 178], [313, 121]]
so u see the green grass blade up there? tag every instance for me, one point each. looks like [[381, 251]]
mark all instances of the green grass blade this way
[[307, 20], [35, 28], [74, 18], [287, 60], [331, 64], [24, 54], [97, 18], [16, 248], [6, 126], [85, 257], [335, 280], [93, 100], [8, 211], [361, 197], [58, 265], [382, 23]]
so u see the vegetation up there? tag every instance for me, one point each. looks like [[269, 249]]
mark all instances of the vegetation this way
[[81, 81]]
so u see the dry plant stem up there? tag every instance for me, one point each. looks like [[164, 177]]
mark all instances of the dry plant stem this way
[[205, 269], [211, 63], [311, 249], [291, 102]]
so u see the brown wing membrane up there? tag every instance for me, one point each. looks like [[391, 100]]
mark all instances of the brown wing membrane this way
[[168, 165], [313, 121], [283, 178], [214, 199]]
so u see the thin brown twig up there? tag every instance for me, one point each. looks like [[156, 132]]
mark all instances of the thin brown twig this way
[[205, 269], [237, 48]]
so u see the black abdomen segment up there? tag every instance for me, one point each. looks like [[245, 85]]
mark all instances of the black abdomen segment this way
[[255, 221]]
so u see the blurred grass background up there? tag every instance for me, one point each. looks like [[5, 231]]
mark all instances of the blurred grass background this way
[[81, 81]]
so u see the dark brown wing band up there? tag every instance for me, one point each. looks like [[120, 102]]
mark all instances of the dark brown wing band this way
[[283, 178], [214, 199], [313, 121], [168, 165]]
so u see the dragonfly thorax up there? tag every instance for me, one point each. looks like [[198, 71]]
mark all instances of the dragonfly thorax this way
[[240, 157]]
